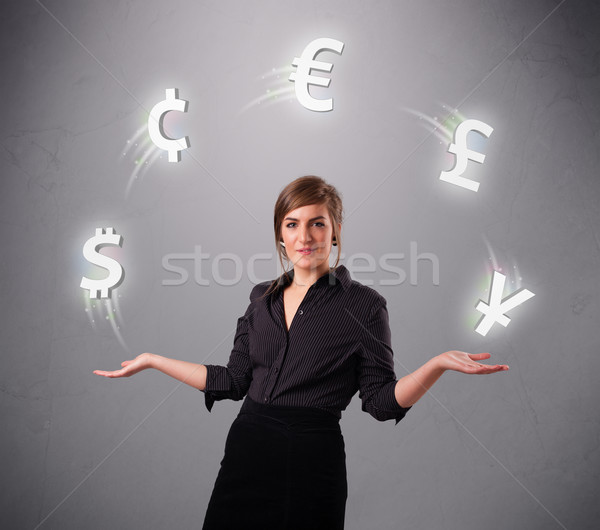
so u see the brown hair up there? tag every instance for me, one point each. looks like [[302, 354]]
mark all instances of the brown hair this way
[[302, 192]]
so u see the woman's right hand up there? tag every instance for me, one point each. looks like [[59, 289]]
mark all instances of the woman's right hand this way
[[133, 366]]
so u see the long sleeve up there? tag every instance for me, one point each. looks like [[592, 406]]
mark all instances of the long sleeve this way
[[377, 380], [231, 381]]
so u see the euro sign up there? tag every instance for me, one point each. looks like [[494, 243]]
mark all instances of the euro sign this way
[[494, 310], [302, 77], [102, 288], [464, 154], [156, 129]]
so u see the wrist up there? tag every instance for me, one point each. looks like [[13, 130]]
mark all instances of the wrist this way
[[437, 364], [152, 360]]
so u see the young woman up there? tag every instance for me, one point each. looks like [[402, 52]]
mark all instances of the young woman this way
[[308, 341]]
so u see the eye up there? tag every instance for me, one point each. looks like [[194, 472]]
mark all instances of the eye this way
[[318, 223]]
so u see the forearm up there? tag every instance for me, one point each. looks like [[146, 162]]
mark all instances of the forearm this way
[[410, 388], [189, 373]]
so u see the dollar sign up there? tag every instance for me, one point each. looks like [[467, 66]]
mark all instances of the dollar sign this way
[[101, 288], [464, 154], [155, 125], [302, 76]]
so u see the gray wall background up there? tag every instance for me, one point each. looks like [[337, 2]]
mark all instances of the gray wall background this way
[[513, 450]]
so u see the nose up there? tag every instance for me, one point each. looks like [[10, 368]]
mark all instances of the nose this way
[[305, 234]]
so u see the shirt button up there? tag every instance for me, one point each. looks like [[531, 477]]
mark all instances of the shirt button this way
[[266, 399], [301, 312]]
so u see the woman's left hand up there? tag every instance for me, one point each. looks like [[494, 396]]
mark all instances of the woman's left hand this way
[[464, 362]]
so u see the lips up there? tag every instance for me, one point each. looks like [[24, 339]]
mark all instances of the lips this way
[[305, 251]]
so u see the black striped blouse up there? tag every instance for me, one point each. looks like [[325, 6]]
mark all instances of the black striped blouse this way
[[339, 342]]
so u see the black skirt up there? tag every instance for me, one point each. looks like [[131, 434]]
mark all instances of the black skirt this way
[[284, 469]]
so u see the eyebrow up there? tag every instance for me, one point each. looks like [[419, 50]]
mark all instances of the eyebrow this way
[[313, 219]]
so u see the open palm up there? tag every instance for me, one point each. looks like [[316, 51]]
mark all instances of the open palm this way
[[133, 366], [466, 363]]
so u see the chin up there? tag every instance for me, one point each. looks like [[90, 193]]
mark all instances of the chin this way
[[312, 263]]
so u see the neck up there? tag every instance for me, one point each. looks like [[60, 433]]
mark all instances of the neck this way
[[304, 278]]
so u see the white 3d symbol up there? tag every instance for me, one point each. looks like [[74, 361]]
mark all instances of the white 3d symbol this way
[[302, 76], [463, 154], [155, 125], [101, 288], [495, 309]]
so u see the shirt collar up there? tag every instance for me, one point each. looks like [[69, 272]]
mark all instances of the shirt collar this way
[[339, 275]]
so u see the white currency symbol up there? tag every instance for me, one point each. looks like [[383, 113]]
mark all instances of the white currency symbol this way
[[495, 309], [464, 154], [302, 76], [155, 125], [102, 288]]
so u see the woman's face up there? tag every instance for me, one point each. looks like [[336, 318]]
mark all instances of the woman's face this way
[[308, 227]]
